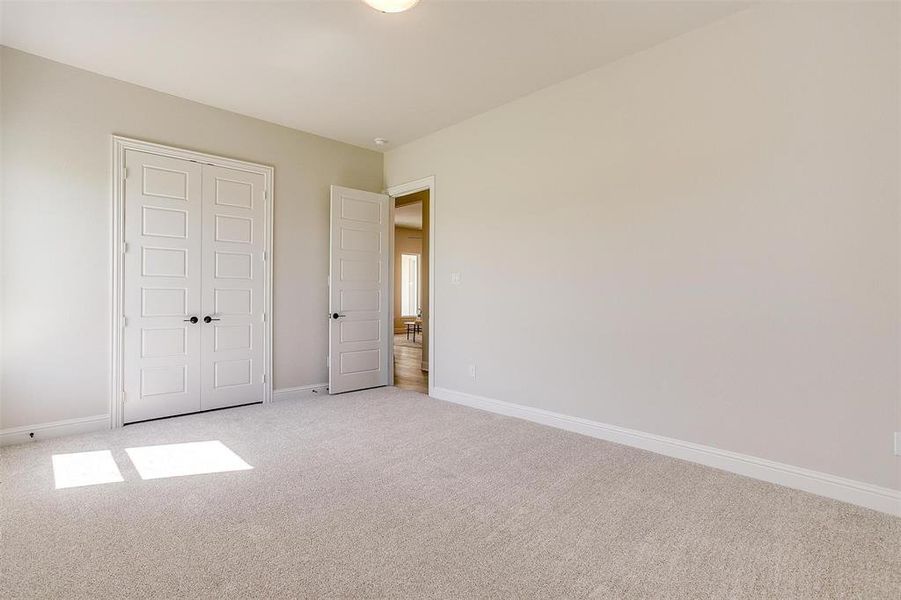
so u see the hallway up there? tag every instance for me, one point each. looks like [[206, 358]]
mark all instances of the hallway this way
[[407, 362]]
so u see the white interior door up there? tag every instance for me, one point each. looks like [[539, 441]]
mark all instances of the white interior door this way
[[359, 315], [232, 291], [194, 293], [162, 286]]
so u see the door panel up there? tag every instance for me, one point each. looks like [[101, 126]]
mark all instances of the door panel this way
[[195, 240], [358, 340], [162, 286], [233, 292]]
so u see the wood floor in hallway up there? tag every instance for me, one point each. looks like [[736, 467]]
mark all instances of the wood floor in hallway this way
[[407, 362]]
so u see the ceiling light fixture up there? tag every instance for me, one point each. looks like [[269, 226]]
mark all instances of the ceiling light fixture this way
[[380, 141], [392, 6]]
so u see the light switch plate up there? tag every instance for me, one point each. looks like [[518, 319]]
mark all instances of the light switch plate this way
[[456, 278]]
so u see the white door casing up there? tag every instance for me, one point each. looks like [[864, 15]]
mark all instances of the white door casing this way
[[359, 290], [431, 322], [192, 236], [163, 206]]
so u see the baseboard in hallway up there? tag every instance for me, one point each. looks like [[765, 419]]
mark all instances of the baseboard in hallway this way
[[823, 484]]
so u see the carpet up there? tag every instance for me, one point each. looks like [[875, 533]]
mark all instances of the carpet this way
[[392, 494]]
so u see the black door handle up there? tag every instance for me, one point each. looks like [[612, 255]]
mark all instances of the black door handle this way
[[191, 320], [337, 316], [208, 318]]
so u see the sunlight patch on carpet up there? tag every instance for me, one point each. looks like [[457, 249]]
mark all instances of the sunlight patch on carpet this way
[[178, 460], [85, 468]]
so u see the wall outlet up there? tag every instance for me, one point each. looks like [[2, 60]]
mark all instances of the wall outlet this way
[[472, 371], [898, 443]]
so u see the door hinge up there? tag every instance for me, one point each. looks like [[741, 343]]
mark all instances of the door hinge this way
[[264, 317], [124, 397], [264, 378], [124, 321], [124, 173], [328, 361], [265, 256], [124, 247], [266, 194]]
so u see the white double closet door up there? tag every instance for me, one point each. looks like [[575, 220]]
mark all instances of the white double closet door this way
[[193, 287]]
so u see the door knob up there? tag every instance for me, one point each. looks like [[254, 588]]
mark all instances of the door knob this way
[[208, 319], [191, 320], [337, 316]]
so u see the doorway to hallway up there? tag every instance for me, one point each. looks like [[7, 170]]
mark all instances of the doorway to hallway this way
[[411, 247]]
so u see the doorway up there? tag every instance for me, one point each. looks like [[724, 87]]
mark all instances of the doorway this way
[[367, 312], [411, 291]]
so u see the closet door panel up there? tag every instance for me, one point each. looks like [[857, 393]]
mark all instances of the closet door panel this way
[[232, 288]]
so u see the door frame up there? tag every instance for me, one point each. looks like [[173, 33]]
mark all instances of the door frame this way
[[117, 325], [403, 189]]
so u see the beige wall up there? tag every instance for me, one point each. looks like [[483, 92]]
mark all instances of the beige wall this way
[[699, 241], [406, 241], [56, 126]]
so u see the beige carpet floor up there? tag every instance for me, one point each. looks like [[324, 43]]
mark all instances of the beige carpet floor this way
[[391, 494]]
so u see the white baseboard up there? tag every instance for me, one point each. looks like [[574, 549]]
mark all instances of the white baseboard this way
[[46, 431], [838, 488], [297, 393]]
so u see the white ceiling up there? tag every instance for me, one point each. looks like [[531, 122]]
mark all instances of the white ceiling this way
[[409, 215], [340, 68]]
